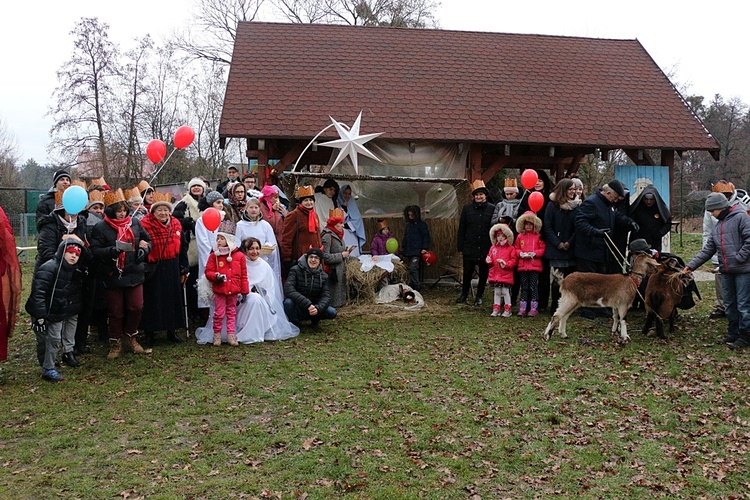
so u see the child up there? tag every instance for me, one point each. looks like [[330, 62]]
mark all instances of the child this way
[[377, 247], [227, 271], [502, 261], [56, 298], [416, 242], [509, 206], [530, 248]]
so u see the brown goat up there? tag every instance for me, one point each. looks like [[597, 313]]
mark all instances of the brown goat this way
[[663, 292], [604, 290]]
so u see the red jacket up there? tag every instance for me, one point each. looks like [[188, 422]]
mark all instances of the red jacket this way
[[526, 243], [235, 271], [502, 275]]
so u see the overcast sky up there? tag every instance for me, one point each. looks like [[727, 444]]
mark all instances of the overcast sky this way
[[703, 44]]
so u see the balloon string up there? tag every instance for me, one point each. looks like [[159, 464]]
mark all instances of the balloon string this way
[[162, 166]]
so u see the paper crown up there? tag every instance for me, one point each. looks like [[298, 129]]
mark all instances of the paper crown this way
[[336, 212], [98, 183], [58, 198], [133, 195], [79, 183], [143, 186], [510, 185], [96, 197], [382, 224], [227, 226], [305, 192], [161, 199], [112, 197], [723, 186], [476, 185]]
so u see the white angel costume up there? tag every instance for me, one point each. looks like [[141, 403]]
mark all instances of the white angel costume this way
[[205, 241], [263, 231]]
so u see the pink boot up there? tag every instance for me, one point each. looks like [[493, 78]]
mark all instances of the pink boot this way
[[522, 308], [506, 311], [495, 310], [534, 306]]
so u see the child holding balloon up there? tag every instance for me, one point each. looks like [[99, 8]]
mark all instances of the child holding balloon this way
[[530, 248], [378, 245], [416, 241]]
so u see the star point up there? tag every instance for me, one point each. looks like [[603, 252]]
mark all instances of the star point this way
[[351, 143]]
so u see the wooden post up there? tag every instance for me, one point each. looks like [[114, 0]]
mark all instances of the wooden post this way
[[667, 159], [475, 162]]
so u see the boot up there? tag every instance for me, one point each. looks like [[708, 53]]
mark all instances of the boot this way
[[478, 301], [232, 339], [70, 360], [173, 337], [506, 311], [534, 309], [217, 339], [495, 310], [522, 308], [462, 298], [132, 345], [742, 342], [115, 348]]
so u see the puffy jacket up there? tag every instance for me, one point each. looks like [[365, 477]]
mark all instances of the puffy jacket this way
[[530, 242], [730, 240], [559, 227], [473, 238], [46, 204], [377, 247], [51, 230], [499, 274], [306, 287], [416, 233], [235, 270], [57, 288], [103, 241]]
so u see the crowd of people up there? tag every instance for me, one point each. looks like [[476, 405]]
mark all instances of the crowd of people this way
[[133, 263]]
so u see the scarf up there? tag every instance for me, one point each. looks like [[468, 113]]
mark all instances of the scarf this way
[[313, 226], [331, 225], [192, 206], [165, 237], [265, 196], [125, 234], [70, 225]]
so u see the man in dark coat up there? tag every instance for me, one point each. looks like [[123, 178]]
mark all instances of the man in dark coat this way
[[473, 240], [306, 290], [60, 182]]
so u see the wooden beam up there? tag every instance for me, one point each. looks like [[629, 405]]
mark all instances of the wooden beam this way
[[573, 165], [494, 168], [475, 162], [667, 159], [633, 154], [364, 177]]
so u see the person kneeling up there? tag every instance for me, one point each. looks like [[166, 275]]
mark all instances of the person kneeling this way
[[306, 290]]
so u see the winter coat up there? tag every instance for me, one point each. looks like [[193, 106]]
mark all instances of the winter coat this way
[[595, 214], [654, 222], [50, 232], [523, 207], [305, 286], [506, 208], [333, 258], [506, 252], [57, 288], [235, 270], [559, 227], [46, 204], [473, 238], [103, 241], [377, 247], [416, 234], [730, 240], [530, 242], [296, 239]]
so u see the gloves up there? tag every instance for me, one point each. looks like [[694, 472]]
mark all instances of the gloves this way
[[635, 227], [531, 255], [602, 232], [221, 278], [241, 298], [39, 326]]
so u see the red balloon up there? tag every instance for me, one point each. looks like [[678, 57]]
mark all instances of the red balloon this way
[[183, 137], [156, 151], [529, 178], [429, 258], [536, 201], [211, 219]]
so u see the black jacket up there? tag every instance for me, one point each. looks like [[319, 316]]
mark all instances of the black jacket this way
[[559, 227], [103, 238], [654, 222], [473, 238], [416, 233], [594, 215], [57, 288], [305, 286], [46, 204], [51, 230]]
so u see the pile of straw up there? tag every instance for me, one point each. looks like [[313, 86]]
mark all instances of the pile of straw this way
[[362, 287]]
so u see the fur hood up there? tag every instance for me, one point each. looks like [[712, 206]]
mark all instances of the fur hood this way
[[506, 231], [529, 217]]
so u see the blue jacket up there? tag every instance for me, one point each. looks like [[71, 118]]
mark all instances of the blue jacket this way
[[730, 240]]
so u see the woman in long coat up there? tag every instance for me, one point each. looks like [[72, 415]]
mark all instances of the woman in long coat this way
[[301, 229], [334, 256], [162, 290]]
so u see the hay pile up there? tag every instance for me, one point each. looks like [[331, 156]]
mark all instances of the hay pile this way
[[362, 287]]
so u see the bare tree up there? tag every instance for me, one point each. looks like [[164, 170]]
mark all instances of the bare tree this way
[[84, 93], [8, 157], [728, 122], [396, 13], [214, 28]]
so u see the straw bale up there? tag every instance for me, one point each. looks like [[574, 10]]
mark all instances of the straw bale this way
[[363, 286]]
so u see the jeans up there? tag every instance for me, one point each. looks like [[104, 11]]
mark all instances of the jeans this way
[[64, 330], [468, 268], [736, 289], [297, 314], [413, 264]]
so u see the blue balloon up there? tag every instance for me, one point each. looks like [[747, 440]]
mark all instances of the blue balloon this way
[[74, 199]]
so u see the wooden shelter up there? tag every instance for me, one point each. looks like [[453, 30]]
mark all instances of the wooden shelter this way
[[514, 100]]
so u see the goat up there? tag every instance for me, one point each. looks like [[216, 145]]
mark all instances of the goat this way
[[604, 290], [664, 292]]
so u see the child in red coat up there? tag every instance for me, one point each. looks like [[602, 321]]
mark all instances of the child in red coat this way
[[530, 248], [502, 260], [227, 271]]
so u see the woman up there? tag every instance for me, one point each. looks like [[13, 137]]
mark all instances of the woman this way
[[120, 246], [652, 216], [335, 255], [559, 232], [188, 211], [326, 199], [236, 202], [354, 226], [272, 209], [207, 239], [162, 290], [252, 224], [301, 229]]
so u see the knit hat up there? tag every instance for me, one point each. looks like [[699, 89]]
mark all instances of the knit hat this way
[[617, 187], [640, 246], [73, 248], [315, 251], [212, 197], [510, 186], [196, 181], [716, 201], [227, 229], [59, 175]]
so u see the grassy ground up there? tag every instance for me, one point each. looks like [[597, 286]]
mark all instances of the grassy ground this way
[[444, 403]]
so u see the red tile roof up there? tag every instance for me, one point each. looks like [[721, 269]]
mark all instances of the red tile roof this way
[[286, 79]]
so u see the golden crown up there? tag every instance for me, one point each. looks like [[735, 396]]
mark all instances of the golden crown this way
[[305, 192], [112, 197], [336, 212]]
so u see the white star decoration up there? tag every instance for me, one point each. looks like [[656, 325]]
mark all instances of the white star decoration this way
[[350, 143]]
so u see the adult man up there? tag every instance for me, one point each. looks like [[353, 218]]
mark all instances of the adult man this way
[[232, 176], [60, 182], [250, 186], [473, 240], [306, 290]]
